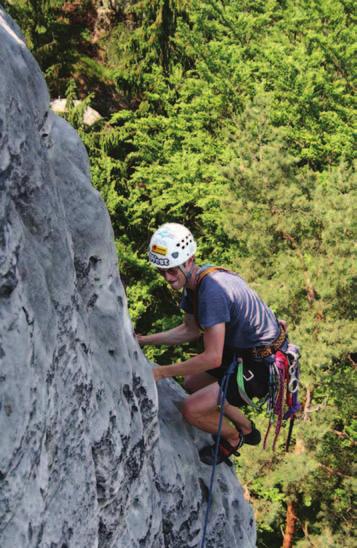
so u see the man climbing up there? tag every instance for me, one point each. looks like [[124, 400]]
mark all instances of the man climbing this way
[[235, 323]]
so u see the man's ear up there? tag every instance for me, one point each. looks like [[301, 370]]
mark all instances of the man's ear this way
[[190, 262]]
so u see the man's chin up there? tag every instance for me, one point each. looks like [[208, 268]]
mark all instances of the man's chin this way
[[176, 286]]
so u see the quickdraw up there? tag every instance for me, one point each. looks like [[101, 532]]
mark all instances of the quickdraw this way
[[283, 391]]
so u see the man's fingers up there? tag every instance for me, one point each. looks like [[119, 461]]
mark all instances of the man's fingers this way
[[284, 324], [140, 338], [156, 372]]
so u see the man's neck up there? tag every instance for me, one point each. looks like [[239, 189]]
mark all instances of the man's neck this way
[[191, 284]]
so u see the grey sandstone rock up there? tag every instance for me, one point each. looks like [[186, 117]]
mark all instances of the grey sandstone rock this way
[[88, 455]]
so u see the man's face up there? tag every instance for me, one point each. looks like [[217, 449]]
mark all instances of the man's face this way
[[174, 276]]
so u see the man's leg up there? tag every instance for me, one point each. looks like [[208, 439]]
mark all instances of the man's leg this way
[[201, 410], [236, 416], [192, 383]]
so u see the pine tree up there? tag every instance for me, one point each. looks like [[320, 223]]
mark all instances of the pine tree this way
[[296, 235]]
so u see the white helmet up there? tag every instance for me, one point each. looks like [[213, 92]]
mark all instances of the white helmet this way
[[171, 245]]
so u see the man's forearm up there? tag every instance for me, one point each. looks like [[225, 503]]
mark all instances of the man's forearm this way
[[177, 335], [197, 364]]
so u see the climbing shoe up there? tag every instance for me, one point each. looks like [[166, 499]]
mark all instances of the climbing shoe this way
[[225, 450], [253, 438]]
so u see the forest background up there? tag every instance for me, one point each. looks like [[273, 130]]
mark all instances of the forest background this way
[[235, 118]]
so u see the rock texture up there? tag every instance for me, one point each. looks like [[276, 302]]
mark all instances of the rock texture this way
[[88, 457]]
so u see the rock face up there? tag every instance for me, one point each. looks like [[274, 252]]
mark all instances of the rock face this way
[[88, 456]]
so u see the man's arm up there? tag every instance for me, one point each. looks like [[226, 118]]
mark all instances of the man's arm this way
[[210, 358], [186, 332]]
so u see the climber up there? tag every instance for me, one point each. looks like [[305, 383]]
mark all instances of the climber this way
[[235, 323]]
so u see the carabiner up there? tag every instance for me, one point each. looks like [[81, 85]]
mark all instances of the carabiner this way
[[292, 387], [251, 376]]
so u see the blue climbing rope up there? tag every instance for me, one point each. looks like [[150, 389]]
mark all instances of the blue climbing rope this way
[[222, 398]]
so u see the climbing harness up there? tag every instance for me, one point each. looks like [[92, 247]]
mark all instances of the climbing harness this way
[[266, 351], [282, 398], [222, 397], [241, 388]]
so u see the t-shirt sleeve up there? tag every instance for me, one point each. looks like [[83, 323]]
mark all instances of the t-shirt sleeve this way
[[213, 303], [186, 303]]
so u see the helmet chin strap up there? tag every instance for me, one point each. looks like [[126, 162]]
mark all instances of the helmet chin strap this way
[[188, 274]]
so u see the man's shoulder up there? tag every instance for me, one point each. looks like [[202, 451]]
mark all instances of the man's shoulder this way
[[218, 281], [221, 277]]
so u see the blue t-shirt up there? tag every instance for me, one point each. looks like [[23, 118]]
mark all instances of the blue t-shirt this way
[[224, 297]]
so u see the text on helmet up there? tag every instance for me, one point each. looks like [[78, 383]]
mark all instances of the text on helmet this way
[[158, 260]]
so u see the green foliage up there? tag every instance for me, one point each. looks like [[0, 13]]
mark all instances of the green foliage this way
[[304, 220], [59, 35], [234, 118], [296, 231]]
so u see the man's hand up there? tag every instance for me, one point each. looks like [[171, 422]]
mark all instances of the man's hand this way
[[210, 358], [284, 325], [140, 338], [158, 373], [186, 332]]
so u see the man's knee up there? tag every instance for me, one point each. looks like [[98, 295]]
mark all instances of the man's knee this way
[[188, 409], [189, 384], [192, 383]]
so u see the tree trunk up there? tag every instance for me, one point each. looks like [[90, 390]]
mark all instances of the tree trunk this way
[[290, 525], [291, 517]]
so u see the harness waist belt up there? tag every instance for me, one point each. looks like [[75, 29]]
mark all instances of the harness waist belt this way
[[265, 351]]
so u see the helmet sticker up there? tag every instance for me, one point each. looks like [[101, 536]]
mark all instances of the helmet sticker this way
[[159, 249], [164, 233]]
